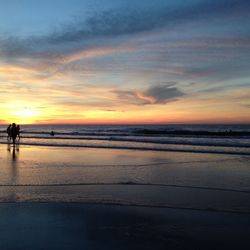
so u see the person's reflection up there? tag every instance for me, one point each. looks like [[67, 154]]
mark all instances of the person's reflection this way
[[14, 154], [8, 147], [14, 151]]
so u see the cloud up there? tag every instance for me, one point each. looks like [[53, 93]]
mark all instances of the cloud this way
[[131, 21], [115, 99], [130, 97], [114, 23], [80, 46], [157, 94], [163, 93]]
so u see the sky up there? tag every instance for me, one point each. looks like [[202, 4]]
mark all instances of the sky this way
[[124, 61]]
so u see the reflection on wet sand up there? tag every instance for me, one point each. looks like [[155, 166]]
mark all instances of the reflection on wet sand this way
[[166, 179], [13, 153]]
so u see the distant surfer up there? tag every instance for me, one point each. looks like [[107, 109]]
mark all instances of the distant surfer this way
[[52, 133]]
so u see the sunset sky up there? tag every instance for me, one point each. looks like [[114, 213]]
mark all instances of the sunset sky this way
[[125, 61]]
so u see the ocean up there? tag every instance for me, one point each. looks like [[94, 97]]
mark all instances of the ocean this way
[[226, 139], [203, 167]]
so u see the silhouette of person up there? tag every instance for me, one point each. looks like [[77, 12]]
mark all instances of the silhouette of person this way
[[52, 133], [18, 131], [9, 132], [14, 133]]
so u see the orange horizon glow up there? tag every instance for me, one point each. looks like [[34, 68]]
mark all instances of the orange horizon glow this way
[[32, 114], [182, 112], [127, 122]]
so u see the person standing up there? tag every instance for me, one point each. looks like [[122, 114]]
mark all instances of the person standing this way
[[9, 132], [14, 133]]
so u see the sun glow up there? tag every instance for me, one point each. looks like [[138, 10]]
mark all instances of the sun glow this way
[[21, 113], [25, 113]]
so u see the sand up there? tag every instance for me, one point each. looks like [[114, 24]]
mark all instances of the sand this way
[[78, 226], [66, 198]]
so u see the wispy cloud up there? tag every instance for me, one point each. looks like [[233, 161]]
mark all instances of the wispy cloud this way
[[114, 23], [119, 22], [157, 94], [81, 46]]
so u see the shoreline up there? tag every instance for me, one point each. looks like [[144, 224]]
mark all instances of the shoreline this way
[[137, 148]]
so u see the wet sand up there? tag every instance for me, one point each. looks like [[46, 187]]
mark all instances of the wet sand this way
[[78, 226], [67, 198]]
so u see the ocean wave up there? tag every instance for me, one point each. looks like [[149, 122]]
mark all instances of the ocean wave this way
[[227, 133], [142, 132]]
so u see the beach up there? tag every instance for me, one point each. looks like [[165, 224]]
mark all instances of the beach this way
[[80, 226], [126, 199]]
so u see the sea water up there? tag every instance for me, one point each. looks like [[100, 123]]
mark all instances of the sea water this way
[[197, 167], [227, 139]]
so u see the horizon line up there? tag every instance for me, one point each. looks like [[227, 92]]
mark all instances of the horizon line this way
[[127, 124]]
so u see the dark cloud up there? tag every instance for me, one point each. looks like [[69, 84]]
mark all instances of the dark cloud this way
[[163, 93], [157, 94], [126, 22], [117, 22]]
